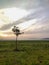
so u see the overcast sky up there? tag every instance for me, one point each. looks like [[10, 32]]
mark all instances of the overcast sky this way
[[33, 18]]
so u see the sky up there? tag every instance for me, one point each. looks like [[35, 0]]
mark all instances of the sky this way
[[31, 16]]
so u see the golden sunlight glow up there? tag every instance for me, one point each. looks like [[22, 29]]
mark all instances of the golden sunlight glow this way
[[6, 34]]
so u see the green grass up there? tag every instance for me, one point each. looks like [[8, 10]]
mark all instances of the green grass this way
[[30, 53]]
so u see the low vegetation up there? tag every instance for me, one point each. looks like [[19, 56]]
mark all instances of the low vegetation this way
[[30, 53]]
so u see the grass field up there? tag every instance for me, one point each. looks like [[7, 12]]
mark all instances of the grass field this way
[[30, 53]]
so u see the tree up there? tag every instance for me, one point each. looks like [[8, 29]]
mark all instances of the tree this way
[[17, 33]]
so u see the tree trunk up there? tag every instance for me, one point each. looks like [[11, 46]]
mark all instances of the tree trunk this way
[[16, 49], [16, 42]]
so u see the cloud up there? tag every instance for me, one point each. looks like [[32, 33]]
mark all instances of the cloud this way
[[40, 14], [39, 10], [12, 18], [25, 4]]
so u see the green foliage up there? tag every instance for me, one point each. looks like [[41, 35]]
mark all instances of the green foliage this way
[[30, 53]]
